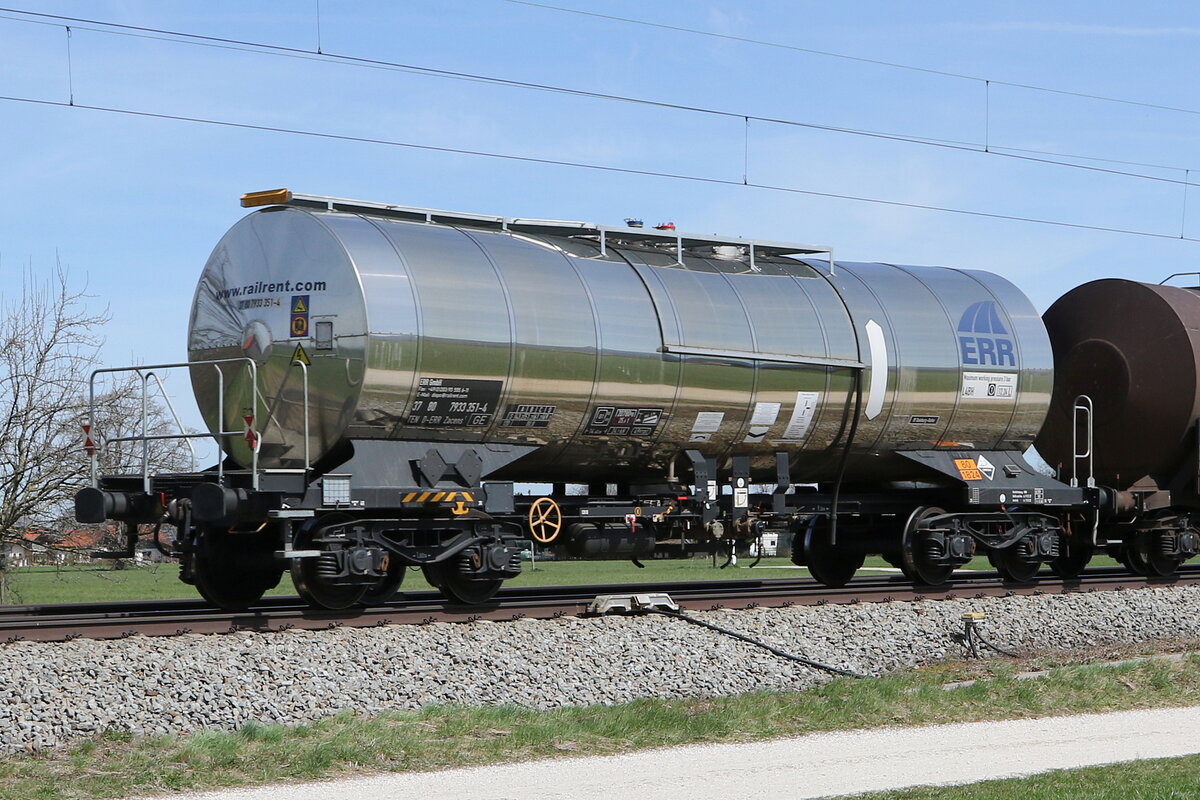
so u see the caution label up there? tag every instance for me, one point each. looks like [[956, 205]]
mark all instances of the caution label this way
[[986, 467], [300, 355], [299, 324], [614, 421]]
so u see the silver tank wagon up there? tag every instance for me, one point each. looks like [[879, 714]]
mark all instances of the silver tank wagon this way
[[611, 350], [383, 378]]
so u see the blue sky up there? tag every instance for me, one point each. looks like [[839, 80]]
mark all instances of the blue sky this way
[[133, 205]]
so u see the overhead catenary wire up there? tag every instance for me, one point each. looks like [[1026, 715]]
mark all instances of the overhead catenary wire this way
[[589, 166], [302, 53], [861, 59], [1049, 158]]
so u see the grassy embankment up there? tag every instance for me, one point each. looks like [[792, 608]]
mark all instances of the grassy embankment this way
[[102, 583], [117, 764]]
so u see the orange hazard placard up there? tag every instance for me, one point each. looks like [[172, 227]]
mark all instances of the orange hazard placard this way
[[968, 469]]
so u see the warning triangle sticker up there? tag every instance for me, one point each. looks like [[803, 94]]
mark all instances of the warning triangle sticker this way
[[301, 356], [986, 467], [300, 305]]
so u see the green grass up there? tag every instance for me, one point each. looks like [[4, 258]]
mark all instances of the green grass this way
[[101, 583], [96, 583], [117, 764], [1160, 779]]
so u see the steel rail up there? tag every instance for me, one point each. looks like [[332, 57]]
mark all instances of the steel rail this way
[[50, 623]]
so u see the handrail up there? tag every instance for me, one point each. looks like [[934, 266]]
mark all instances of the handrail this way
[[252, 433], [1163, 282], [162, 390], [1083, 404], [145, 372], [304, 373]]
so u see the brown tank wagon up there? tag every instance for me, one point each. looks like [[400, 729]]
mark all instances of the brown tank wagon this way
[[1133, 350]]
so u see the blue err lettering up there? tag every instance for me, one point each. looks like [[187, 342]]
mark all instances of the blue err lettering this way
[[983, 350], [967, 345], [987, 350]]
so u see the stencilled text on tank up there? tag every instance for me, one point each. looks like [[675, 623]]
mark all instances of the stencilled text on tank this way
[[259, 302], [527, 415], [266, 287], [454, 402]]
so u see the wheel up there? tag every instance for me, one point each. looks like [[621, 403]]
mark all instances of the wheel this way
[[386, 587], [1133, 557], [457, 587], [545, 520], [913, 562], [1073, 557], [233, 570], [1150, 560], [829, 565], [1011, 567], [306, 572], [799, 530]]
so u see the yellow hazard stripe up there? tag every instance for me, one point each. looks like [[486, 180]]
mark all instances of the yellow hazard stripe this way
[[439, 497]]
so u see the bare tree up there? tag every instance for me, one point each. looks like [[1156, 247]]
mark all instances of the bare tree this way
[[49, 341]]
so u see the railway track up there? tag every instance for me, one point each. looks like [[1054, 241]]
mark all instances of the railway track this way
[[50, 623]]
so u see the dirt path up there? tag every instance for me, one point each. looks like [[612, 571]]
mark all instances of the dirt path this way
[[817, 765]]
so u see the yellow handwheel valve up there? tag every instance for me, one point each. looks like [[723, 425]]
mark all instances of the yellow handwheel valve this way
[[545, 520]]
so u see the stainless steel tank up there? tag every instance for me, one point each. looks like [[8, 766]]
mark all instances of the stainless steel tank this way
[[613, 356]]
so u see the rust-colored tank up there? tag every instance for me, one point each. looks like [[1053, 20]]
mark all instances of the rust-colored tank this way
[[1134, 349]]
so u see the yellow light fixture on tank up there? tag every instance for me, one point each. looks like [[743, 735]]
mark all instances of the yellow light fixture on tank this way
[[271, 197]]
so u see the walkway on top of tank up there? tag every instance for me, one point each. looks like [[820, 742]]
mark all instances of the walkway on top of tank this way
[[543, 227]]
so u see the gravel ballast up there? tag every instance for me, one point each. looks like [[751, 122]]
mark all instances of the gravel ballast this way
[[52, 693]]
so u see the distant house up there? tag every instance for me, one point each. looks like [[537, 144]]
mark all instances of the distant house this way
[[40, 546], [31, 548]]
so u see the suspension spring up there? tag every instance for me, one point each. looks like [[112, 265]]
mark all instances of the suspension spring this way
[[934, 549], [327, 566], [1167, 545]]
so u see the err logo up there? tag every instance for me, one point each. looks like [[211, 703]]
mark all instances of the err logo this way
[[982, 337]]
